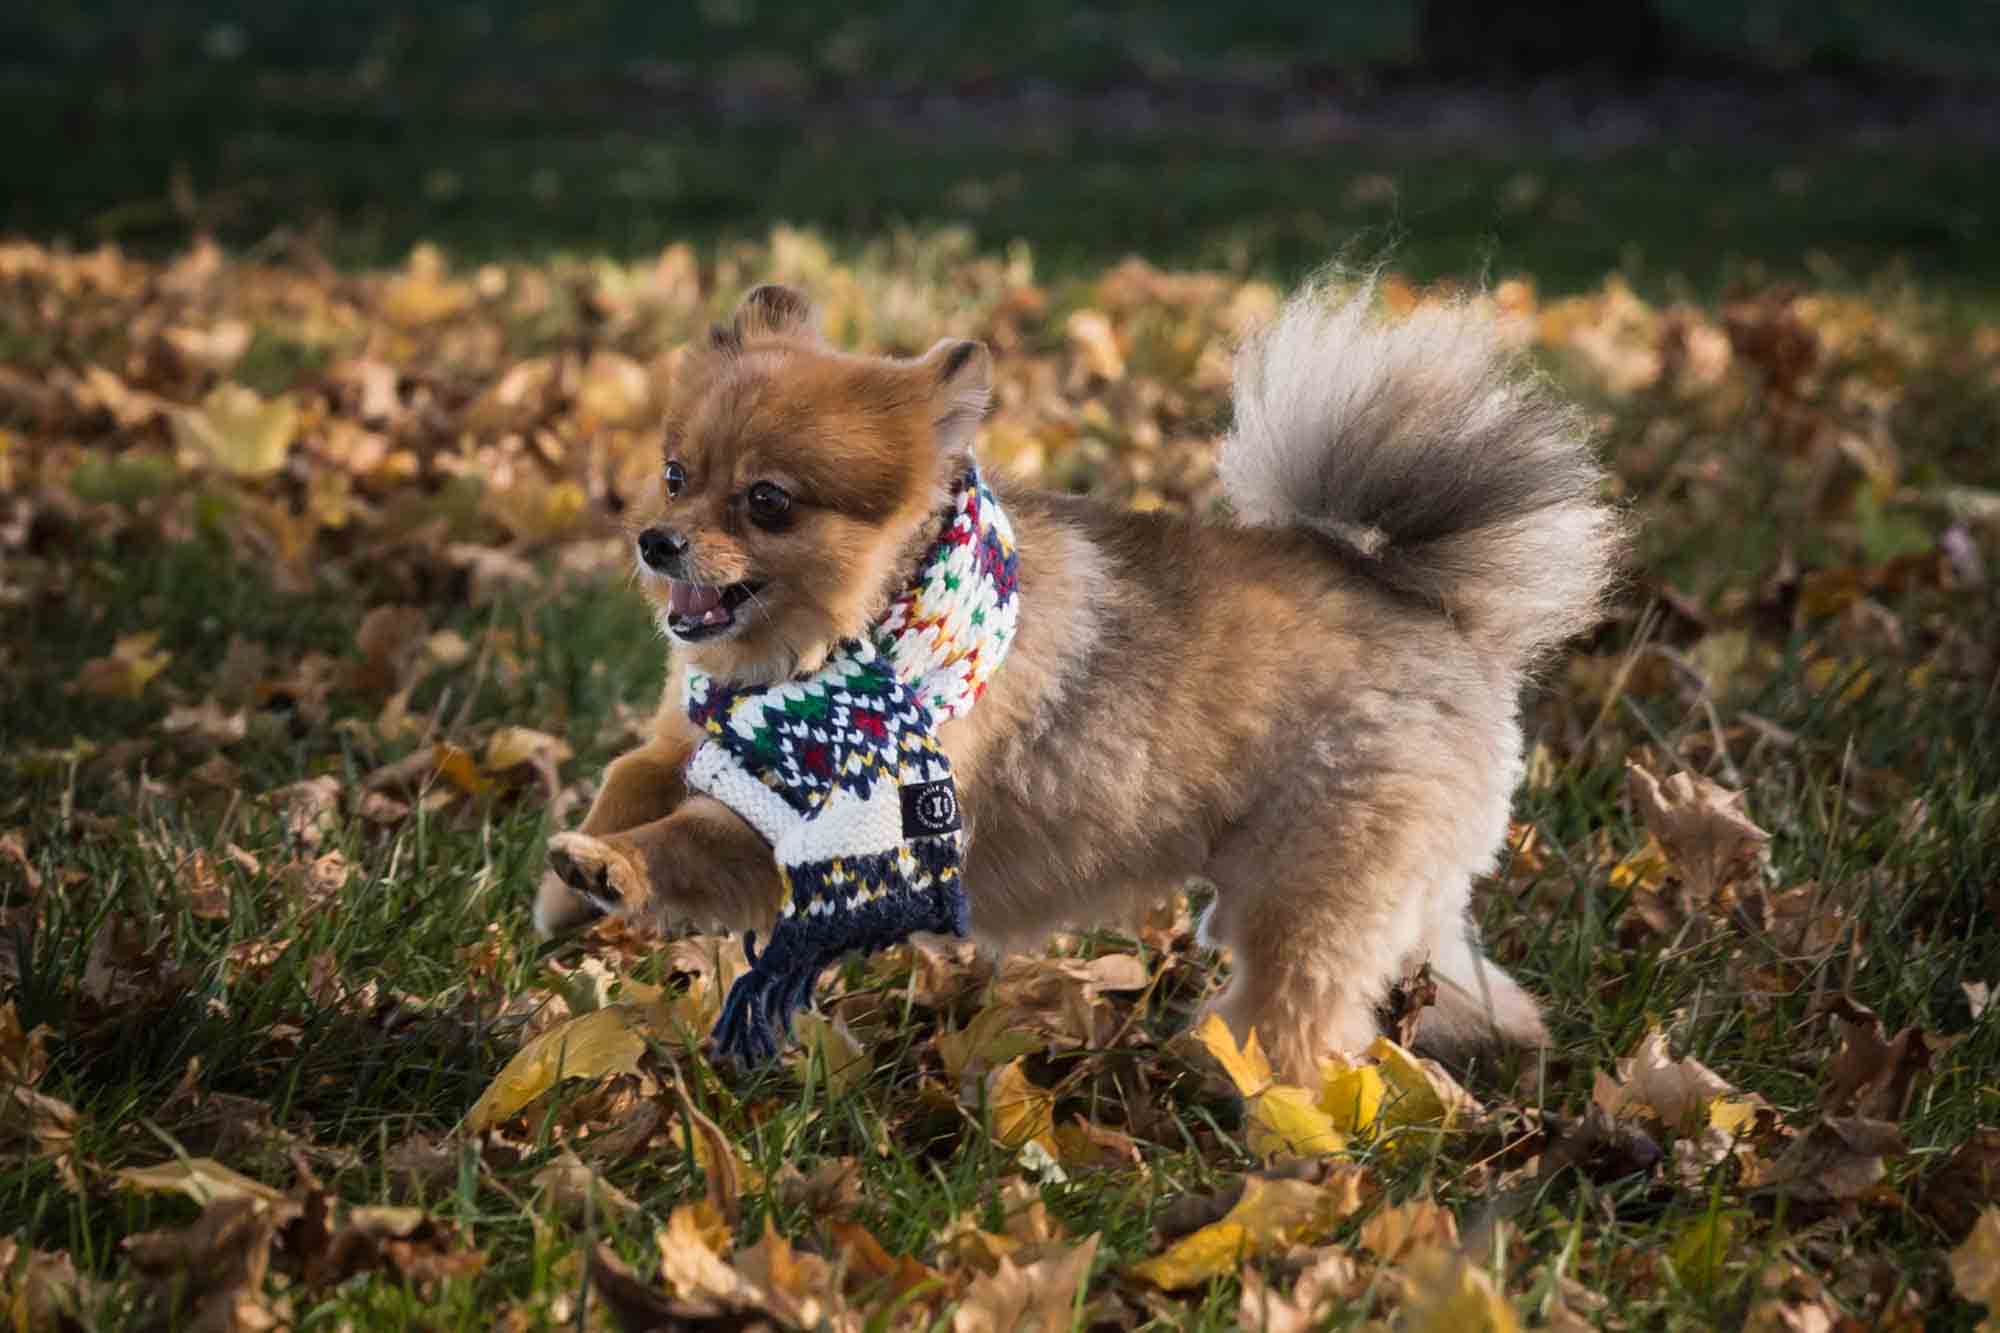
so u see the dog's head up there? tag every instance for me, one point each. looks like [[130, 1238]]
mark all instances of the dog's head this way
[[798, 484]]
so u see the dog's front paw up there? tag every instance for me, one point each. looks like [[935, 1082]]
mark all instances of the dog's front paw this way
[[603, 874]]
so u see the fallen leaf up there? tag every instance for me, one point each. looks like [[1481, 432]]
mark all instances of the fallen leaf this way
[[1711, 842], [1870, 1075], [1401, 1229], [577, 1191], [1965, 1184], [202, 1179], [1270, 1216], [1247, 1066], [828, 1043], [605, 1041], [1041, 1297], [1022, 1113], [1448, 1294], [1975, 1268], [237, 431], [1677, 1093], [996, 1035], [209, 1276], [1839, 1160], [1700, 1248], [125, 672]]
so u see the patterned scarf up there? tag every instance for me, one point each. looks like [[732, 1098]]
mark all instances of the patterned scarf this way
[[841, 772]]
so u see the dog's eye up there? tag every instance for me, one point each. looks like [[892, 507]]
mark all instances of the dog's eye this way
[[677, 477], [770, 505]]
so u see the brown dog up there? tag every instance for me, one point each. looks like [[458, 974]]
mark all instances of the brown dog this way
[[1314, 707]]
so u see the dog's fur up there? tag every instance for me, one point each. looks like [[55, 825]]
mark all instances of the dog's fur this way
[[1314, 707]]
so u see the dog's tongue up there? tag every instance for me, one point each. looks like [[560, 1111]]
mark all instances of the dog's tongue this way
[[692, 600]]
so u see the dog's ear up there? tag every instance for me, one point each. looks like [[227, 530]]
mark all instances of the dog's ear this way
[[772, 311], [961, 381]]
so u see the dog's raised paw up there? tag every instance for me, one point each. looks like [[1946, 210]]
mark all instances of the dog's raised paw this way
[[603, 875]]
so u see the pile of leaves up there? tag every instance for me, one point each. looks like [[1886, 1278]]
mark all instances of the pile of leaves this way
[[317, 622]]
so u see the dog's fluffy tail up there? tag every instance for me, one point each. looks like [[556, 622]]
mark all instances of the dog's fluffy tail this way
[[1435, 459]]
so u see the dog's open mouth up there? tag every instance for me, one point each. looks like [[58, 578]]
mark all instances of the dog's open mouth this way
[[697, 611]]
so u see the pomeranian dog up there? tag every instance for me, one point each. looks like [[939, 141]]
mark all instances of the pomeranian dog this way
[[1312, 706]]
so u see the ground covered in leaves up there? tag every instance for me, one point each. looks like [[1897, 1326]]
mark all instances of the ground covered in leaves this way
[[316, 623]]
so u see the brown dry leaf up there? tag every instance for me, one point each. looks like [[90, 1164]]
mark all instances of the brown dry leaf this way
[[1448, 1294], [1041, 1297], [829, 1043], [391, 639], [800, 1289], [1084, 1143], [1680, 1094], [1065, 994], [1838, 1161], [606, 1041], [310, 809], [576, 1190], [717, 1158], [207, 726], [996, 1035], [405, 1241], [24, 1056], [692, 1246], [208, 1277], [1966, 1184], [1272, 1215], [236, 430], [1872, 1076], [1975, 1268], [833, 1188], [872, 1269], [1403, 1228], [1331, 1278], [1701, 824], [459, 768], [126, 670], [1094, 344], [40, 1290], [14, 852]]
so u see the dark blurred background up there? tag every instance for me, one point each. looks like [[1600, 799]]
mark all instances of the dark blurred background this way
[[1688, 142]]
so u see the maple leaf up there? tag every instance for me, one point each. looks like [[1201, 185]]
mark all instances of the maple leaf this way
[[1975, 1268], [237, 431], [1271, 1215], [1040, 1297], [1701, 824]]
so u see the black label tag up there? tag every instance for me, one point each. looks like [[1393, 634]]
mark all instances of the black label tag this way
[[929, 808]]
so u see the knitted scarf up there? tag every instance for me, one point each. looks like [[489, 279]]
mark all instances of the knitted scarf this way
[[841, 772]]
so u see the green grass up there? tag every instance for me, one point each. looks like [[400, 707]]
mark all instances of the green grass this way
[[1886, 799]]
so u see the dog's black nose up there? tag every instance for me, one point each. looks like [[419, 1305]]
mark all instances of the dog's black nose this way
[[662, 549]]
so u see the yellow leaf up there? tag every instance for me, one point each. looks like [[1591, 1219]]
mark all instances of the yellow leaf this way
[[521, 745], [995, 1035], [1272, 1215], [236, 430], [126, 672], [202, 1179], [1353, 1096], [1022, 1113], [1418, 1094], [846, 1063], [604, 1041], [1734, 1115], [422, 293], [1698, 1252], [460, 769], [1246, 1065], [1975, 1268], [1450, 1295], [1284, 1120]]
